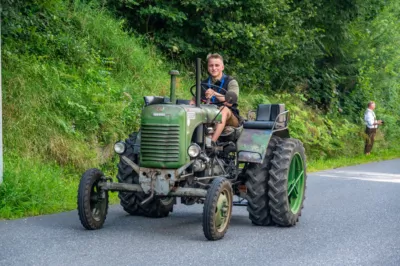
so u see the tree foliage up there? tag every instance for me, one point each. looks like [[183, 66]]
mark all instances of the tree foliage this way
[[261, 40], [270, 45]]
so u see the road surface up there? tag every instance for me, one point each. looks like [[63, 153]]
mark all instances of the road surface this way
[[351, 217]]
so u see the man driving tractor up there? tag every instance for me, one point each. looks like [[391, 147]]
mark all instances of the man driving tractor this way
[[218, 84]]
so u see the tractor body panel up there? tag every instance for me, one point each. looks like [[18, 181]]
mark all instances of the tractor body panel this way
[[252, 145], [162, 143], [166, 133], [167, 130]]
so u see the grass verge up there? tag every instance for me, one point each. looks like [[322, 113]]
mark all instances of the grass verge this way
[[32, 187], [376, 155]]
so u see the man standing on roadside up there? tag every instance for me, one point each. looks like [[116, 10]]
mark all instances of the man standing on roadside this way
[[372, 125]]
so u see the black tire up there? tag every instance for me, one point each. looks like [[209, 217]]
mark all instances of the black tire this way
[[285, 208], [159, 207], [213, 227], [257, 177], [130, 201], [92, 202]]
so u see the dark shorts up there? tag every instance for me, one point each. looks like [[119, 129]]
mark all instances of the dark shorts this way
[[233, 121]]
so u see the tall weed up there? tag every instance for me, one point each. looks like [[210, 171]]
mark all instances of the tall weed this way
[[32, 187]]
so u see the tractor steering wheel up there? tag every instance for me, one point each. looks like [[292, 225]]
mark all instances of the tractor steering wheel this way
[[204, 87]]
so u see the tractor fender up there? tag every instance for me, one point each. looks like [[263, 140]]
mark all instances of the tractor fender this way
[[252, 144]]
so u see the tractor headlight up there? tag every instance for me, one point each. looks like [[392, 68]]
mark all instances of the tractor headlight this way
[[120, 147], [194, 150]]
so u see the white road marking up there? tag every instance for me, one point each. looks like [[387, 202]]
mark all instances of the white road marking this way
[[366, 176]]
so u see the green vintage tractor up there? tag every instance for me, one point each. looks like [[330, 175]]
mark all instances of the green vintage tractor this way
[[257, 165]]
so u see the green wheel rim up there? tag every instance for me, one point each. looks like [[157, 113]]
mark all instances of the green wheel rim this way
[[98, 203], [222, 211], [296, 183]]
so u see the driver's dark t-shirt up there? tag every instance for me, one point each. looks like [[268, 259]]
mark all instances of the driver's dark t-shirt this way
[[228, 84]]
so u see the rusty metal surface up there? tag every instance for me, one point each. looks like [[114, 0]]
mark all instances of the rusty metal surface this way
[[250, 157], [134, 166], [253, 141], [160, 180], [188, 192], [178, 192], [110, 186]]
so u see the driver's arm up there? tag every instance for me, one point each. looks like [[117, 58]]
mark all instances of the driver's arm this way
[[232, 86]]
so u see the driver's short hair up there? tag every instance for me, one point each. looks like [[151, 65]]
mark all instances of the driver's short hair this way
[[215, 56], [370, 103]]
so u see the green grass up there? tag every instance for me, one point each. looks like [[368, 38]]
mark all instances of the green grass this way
[[32, 188], [375, 156]]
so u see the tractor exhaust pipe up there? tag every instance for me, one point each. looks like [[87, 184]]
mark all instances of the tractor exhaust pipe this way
[[198, 82], [200, 129], [172, 96]]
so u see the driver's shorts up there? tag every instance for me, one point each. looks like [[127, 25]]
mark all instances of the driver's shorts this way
[[233, 121]]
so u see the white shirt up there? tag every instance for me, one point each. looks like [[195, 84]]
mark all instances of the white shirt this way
[[370, 118]]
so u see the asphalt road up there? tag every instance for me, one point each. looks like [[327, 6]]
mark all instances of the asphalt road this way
[[351, 217]]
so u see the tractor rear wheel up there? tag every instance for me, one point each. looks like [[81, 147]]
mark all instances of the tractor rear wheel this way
[[217, 210], [92, 201], [130, 201], [287, 182], [257, 176]]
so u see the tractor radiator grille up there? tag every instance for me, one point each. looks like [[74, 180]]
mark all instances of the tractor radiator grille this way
[[160, 143]]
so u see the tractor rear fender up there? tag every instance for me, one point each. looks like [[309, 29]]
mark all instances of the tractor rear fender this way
[[252, 144]]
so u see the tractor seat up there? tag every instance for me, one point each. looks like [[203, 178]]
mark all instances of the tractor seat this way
[[231, 133], [182, 101], [149, 100], [266, 116]]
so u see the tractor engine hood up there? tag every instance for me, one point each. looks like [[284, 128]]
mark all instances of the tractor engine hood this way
[[167, 130]]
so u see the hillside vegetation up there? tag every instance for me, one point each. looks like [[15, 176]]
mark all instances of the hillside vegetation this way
[[75, 73]]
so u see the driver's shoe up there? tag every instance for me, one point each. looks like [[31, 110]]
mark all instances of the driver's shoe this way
[[210, 143]]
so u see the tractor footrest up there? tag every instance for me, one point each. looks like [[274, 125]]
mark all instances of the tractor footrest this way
[[239, 203]]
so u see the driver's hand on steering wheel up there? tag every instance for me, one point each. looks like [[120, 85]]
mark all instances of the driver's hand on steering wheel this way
[[210, 93]]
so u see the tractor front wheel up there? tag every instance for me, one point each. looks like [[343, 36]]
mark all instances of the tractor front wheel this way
[[217, 210], [287, 182], [92, 200]]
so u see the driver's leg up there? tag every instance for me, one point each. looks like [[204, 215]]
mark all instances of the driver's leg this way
[[226, 115]]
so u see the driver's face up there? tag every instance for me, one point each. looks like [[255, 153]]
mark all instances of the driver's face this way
[[215, 67]]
